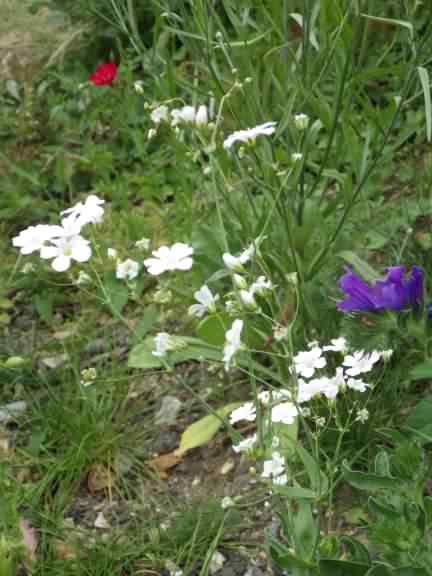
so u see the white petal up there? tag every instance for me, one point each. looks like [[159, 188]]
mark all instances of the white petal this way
[[61, 263], [48, 252]]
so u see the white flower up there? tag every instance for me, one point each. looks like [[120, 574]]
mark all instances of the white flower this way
[[160, 114], [232, 262], [307, 390], [246, 444], [112, 253], [296, 157], [281, 480], [163, 343], [143, 244], [66, 249], [235, 263], [358, 385], [232, 342], [250, 134], [362, 415], [128, 269], [71, 225], [336, 345], [139, 87], [316, 386], [246, 411], [201, 118], [285, 412], [83, 278], [264, 397], [360, 362], [227, 502], [184, 115], [386, 355], [274, 467], [281, 394], [206, 302], [330, 387], [301, 121], [261, 286], [175, 257], [151, 133], [248, 300], [308, 361], [34, 238], [90, 211]]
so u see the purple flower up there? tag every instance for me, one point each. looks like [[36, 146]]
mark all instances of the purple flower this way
[[395, 292]]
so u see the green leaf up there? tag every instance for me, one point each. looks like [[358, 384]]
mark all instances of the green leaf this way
[[382, 464], [141, 355], [425, 82], [212, 330], [368, 481], [357, 550], [305, 529], [380, 508], [330, 567], [116, 294], [151, 314], [410, 571], [380, 570], [391, 22], [203, 430], [295, 492], [317, 478], [422, 371], [363, 268], [421, 415], [283, 558], [287, 434], [420, 418], [44, 306]]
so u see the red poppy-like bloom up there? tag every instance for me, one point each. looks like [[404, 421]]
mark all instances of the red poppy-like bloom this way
[[104, 74]]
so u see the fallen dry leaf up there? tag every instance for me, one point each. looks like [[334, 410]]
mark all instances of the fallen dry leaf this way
[[5, 446], [63, 551], [99, 478], [165, 462], [29, 539]]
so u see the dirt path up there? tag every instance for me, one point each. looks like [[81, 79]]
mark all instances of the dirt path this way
[[29, 40]]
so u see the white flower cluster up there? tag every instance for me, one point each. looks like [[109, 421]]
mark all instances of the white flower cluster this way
[[284, 407], [347, 375], [186, 115], [246, 298], [281, 410], [166, 258], [63, 243]]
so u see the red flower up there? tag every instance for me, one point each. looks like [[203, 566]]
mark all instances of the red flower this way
[[104, 74]]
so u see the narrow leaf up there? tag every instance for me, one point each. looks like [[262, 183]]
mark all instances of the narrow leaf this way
[[424, 80], [363, 268]]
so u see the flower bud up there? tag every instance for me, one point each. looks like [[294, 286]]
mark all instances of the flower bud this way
[[239, 282], [201, 118], [301, 121], [248, 300]]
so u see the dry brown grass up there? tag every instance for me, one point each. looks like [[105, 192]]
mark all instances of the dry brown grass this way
[[29, 41]]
